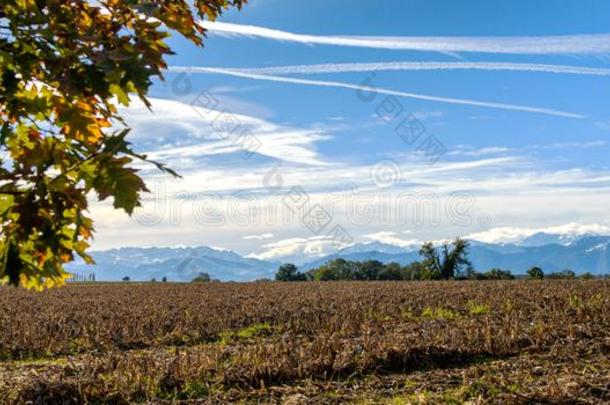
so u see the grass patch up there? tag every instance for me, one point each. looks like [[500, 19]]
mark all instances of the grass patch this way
[[478, 309], [250, 332], [440, 313]]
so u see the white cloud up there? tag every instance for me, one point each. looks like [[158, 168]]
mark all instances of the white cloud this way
[[516, 234], [424, 115], [513, 189], [392, 238], [570, 145], [424, 66], [263, 236], [183, 133], [541, 45], [494, 150], [463, 150], [299, 250], [378, 90]]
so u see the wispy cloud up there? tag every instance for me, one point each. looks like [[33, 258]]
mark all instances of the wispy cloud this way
[[350, 86], [183, 134], [262, 236], [494, 150], [539, 45], [466, 150], [424, 66]]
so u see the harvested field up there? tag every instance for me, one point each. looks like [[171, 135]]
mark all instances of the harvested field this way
[[331, 342]]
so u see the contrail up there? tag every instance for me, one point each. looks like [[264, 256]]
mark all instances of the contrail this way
[[540, 45], [323, 83], [385, 66]]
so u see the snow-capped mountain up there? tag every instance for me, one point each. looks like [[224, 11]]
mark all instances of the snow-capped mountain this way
[[551, 252], [542, 238], [582, 254], [177, 264], [378, 247]]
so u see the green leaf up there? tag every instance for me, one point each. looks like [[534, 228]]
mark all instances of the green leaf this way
[[119, 93]]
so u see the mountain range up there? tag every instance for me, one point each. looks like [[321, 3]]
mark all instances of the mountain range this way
[[588, 253]]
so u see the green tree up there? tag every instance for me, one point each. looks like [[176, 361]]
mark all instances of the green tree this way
[[368, 270], [535, 273], [498, 274], [337, 269], [452, 259], [289, 272], [64, 66], [471, 274], [391, 271], [412, 271], [324, 273]]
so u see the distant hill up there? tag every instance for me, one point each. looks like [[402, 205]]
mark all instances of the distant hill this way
[[177, 264], [551, 252], [584, 254]]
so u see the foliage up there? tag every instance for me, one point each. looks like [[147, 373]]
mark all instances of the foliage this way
[[440, 313], [498, 274], [535, 273], [369, 270], [64, 67], [478, 309], [391, 271], [432, 267], [564, 274], [289, 272], [126, 278], [450, 262]]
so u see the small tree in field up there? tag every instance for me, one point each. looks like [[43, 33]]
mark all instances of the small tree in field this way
[[289, 272], [65, 65], [452, 259], [535, 273]]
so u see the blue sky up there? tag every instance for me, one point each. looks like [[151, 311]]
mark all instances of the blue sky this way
[[539, 164]]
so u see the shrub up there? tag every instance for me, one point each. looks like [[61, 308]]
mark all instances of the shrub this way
[[565, 274], [498, 274], [535, 273]]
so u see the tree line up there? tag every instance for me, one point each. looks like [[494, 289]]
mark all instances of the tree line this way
[[447, 262]]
